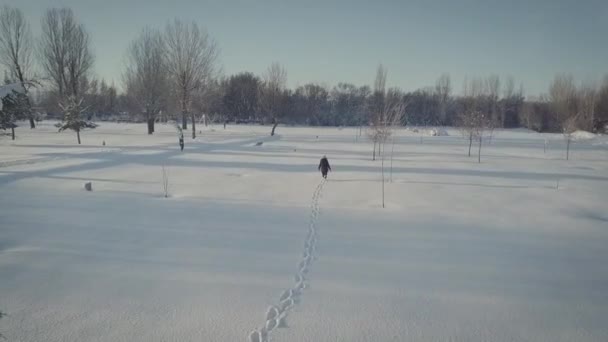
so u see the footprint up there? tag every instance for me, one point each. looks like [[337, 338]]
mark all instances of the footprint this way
[[287, 304], [271, 324], [286, 295], [255, 336], [272, 312], [283, 322]]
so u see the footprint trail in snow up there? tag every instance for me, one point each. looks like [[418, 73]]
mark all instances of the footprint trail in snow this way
[[276, 315]]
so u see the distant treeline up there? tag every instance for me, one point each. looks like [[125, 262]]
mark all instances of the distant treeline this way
[[172, 73]]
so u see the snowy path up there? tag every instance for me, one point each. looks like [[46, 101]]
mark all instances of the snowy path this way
[[276, 315]]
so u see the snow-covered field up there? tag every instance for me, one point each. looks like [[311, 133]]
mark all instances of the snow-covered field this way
[[512, 249]]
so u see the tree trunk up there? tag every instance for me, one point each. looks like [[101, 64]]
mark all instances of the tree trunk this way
[[568, 148], [32, 123], [382, 156], [470, 143], [193, 127], [274, 126], [184, 120], [150, 125], [479, 152], [78, 136], [374, 152], [13, 133], [392, 151]]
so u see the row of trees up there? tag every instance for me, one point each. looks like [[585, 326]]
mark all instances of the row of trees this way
[[177, 64], [63, 56], [173, 73]]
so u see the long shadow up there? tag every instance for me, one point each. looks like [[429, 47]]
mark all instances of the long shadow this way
[[403, 181], [117, 157], [113, 158], [163, 159]]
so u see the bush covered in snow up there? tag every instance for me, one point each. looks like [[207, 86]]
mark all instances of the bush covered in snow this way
[[437, 132], [583, 135]]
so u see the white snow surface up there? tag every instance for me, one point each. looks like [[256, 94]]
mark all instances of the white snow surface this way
[[512, 249]]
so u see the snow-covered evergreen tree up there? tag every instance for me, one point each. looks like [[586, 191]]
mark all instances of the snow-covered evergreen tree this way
[[15, 106], [72, 119]]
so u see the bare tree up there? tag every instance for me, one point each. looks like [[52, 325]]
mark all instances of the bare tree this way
[[569, 126], [388, 109], [65, 52], [588, 98], [566, 106], [443, 89], [394, 110], [529, 116], [67, 60], [16, 48], [492, 92], [472, 120], [562, 94], [145, 77], [73, 110], [378, 109], [272, 91], [192, 56]]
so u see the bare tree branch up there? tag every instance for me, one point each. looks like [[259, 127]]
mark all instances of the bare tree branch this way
[[65, 52], [16, 46], [145, 77], [272, 91], [192, 55]]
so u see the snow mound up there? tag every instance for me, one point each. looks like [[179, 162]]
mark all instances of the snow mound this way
[[431, 132], [583, 135], [436, 132]]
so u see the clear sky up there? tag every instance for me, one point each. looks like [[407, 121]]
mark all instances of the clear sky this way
[[333, 41]]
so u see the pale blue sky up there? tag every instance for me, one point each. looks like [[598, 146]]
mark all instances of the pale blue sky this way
[[333, 41]]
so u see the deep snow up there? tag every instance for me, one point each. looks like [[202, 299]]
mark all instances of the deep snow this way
[[512, 249]]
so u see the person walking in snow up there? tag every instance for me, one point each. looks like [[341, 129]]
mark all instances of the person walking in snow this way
[[181, 141], [324, 166]]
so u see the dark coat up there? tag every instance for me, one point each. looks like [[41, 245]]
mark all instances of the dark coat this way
[[324, 166]]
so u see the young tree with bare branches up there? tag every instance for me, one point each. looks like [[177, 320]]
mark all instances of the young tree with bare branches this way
[[566, 106], [388, 109], [588, 98], [145, 77], [473, 120], [66, 58], [16, 49], [377, 109], [73, 110], [192, 56], [273, 93]]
